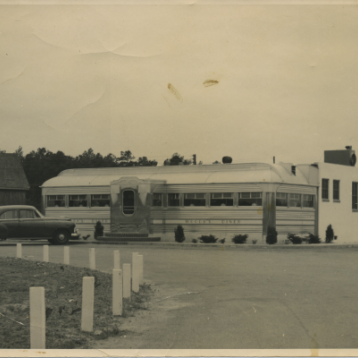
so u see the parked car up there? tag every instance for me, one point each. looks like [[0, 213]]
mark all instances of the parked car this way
[[22, 221]]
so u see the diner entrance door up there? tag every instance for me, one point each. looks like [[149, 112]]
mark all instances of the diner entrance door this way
[[130, 210]]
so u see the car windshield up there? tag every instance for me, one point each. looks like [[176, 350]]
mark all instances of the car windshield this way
[[38, 214]]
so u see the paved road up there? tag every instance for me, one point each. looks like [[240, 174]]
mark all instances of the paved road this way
[[236, 299]]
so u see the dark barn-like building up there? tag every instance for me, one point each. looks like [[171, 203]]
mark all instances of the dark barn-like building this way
[[13, 181]]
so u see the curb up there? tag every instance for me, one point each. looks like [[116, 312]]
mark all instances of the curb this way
[[182, 246]]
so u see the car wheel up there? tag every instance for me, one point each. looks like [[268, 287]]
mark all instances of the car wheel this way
[[61, 237]]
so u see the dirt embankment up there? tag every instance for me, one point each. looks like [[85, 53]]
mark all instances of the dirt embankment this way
[[63, 295]]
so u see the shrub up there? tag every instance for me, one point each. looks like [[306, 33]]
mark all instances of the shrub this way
[[271, 237], [329, 234], [239, 239], [208, 239], [194, 241], [254, 242], [313, 239], [296, 240], [98, 230], [222, 241], [179, 234]]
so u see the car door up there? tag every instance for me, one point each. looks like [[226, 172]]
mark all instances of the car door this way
[[10, 219], [31, 224]]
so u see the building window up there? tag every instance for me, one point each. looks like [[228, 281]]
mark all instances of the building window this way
[[336, 190], [128, 202], [173, 199], [194, 199], [295, 200], [54, 201], [307, 201], [222, 199], [100, 200], [281, 199], [250, 199], [76, 201], [355, 196], [157, 199], [325, 189]]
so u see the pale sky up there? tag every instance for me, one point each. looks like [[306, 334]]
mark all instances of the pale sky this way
[[248, 81]]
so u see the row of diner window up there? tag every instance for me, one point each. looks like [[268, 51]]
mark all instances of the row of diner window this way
[[76, 201], [216, 199], [190, 199], [228, 199]]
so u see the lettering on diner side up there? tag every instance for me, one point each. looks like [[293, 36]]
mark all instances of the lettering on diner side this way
[[230, 221], [90, 221], [199, 221]]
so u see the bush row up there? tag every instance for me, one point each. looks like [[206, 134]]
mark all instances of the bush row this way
[[271, 237]]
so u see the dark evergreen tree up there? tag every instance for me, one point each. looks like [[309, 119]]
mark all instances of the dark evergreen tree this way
[[177, 159], [329, 234], [271, 237]]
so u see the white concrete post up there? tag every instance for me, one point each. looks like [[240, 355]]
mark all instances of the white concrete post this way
[[92, 258], [66, 255], [135, 273], [19, 251], [117, 260], [140, 269], [134, 254], [117, 292], [87, 304], [126, 281], [37, 318], [46, 253]]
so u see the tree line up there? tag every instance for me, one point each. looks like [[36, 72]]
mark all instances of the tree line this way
[[42, 165]]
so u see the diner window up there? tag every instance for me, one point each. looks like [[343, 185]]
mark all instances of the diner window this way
[[194, 199], [355, 196], [56, 201], [336, 190], [173, 200], [294, 200], [250, 199], [10, 214], [157, 199], [325, 189], [281, 199], [100, 200], [222, 199], [76, 201], [307, 201], [128, 202]]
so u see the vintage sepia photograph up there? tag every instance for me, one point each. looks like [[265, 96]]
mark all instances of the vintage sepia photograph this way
[[178, 178]]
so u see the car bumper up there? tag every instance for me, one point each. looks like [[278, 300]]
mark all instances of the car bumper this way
[[76, 235]]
